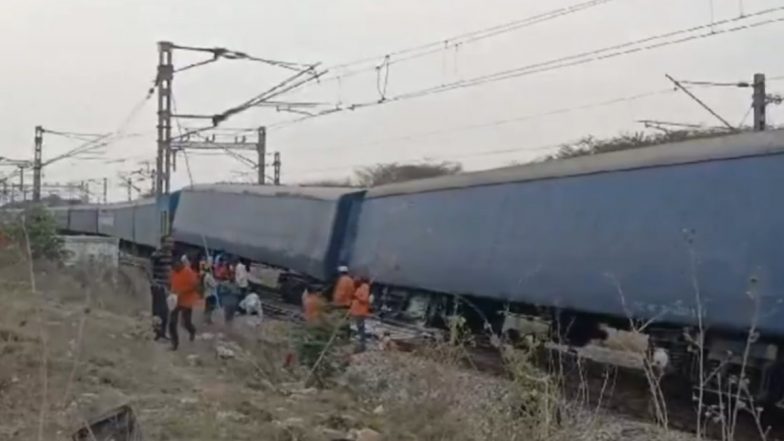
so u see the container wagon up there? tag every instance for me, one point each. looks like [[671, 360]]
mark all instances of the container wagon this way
[[644, 234]]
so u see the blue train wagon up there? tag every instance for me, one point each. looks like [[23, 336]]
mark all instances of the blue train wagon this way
[[614, 236], [294, 228]]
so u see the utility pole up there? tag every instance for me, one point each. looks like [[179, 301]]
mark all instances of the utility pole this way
[[105, 189], [164, 83], [128, 187], [5, 190], [21, 183], [759, 102], [84, 189], [276, 166], [262, 152], [39, 141]]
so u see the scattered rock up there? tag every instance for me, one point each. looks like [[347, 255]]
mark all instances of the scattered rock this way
[[332, 434], [379, 410], [293, 421], [255, 412], [260, 384], [291, 387], [340, 422], [189, 400], [194, 360], [366, 435], [206, 336], [230, 415], [224, 352]]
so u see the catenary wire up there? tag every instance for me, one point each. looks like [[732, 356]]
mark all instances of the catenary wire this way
[[512, 120], [588, 106], [560, 63], [460, 39]]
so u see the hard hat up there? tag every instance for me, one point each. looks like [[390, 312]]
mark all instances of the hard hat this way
[[342, 269]]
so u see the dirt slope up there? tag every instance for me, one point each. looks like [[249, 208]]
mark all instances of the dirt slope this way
[[77, 346]]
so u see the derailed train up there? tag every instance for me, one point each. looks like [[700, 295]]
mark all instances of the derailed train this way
[[688, 236]]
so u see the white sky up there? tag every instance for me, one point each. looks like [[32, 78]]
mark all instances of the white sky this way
[[82, 65]]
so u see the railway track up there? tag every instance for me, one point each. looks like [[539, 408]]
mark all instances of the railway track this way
[[598, 378]]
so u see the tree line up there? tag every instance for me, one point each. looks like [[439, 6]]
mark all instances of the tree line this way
[[392, 172]]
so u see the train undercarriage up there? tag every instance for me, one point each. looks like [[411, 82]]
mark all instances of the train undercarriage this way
[[738, 366]]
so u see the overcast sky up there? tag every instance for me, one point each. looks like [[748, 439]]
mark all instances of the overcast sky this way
[[83, 65]]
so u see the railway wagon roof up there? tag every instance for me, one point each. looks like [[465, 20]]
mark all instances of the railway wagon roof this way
[[684, 152], [322, 193]]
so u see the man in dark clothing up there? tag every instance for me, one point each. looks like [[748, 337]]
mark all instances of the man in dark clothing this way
[[159, 287]]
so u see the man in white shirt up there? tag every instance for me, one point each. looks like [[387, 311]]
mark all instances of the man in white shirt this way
[[241, 277]]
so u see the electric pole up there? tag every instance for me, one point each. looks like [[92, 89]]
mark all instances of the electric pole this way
[[84, 189], [759, 102], [21, 183], [105, 189], [262, 152], [276, 167], [164, 83], [39, 140]]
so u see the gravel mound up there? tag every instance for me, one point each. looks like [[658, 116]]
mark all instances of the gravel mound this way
[[478, 406]]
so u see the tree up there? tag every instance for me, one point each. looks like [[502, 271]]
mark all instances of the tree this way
[[388, 173], [36, 226], [346, 182], [625, 141]]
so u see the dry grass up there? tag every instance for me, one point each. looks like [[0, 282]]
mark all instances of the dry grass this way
[[99, 355]]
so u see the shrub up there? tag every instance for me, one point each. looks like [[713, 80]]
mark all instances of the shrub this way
[[36, 226]]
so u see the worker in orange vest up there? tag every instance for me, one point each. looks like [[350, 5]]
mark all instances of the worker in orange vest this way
[[185, 285], [360, 309], [312, 305], [344, 289]]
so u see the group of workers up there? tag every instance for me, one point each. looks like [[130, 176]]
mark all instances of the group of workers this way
[[222, 283], [350, 295]]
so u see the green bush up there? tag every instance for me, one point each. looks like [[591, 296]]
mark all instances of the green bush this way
[[37, 225]]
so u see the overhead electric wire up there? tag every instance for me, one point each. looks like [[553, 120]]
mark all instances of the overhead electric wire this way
[[566, 61], [109, 137], [604, 53], [284, 86], [460, 39], [628, 98], [716, 83], [100, 141], [235, 155], [512, 120], [219, 52]]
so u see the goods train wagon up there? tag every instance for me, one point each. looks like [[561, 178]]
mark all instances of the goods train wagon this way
[[116, 220], [296, 228], [567, 233], [614, 235], [83, 219]]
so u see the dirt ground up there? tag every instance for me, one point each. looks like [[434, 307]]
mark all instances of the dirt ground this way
[[74, 347]]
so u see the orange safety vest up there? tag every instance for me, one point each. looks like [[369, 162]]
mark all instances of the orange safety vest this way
[[344, 290], [360, 305], [313, 306], [185, 283]]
